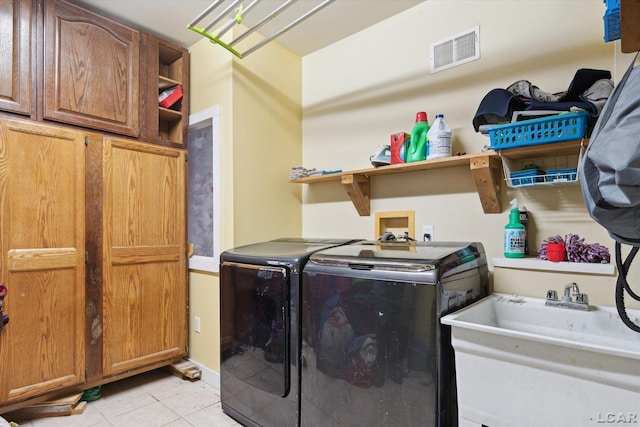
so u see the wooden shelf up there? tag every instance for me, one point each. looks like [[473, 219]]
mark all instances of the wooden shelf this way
[[485, 168], [165, 82], [544, 150], [564, 267], [168, 114], [172, 62]]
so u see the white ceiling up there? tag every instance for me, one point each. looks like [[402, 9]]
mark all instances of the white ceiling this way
[[341, 18]]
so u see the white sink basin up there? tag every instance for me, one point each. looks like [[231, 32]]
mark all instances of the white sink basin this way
[[521, 363]]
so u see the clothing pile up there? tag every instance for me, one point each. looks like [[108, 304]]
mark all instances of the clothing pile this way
[[589, 91], [299, 172]]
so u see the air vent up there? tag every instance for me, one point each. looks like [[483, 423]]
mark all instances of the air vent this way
[[455, 50]]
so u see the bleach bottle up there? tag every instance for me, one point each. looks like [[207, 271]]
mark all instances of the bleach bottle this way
[[514, 233], [439, 137], [418, 147]]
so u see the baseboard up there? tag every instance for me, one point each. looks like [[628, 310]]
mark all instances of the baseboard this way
[[209, 376]]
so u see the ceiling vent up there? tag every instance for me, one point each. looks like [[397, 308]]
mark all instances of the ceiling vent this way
[[455, 50]]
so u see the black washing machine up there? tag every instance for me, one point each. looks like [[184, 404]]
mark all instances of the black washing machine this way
[[374, 352], [259, 320]]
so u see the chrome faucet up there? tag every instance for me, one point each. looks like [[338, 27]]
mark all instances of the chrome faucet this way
[[581, 301]]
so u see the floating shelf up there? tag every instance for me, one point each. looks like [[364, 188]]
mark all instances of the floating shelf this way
[[563, 267], [485, 167]]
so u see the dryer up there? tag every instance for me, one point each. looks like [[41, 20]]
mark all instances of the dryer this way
[[259, 321]]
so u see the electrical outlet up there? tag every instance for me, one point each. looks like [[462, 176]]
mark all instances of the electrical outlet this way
[[196, 324], [427, 233]]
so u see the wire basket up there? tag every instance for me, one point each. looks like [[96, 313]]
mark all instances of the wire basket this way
[[561, 127], [549, 171]]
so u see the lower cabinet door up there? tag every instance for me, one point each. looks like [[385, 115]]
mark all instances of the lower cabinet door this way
[[145, 275], [42, 196]]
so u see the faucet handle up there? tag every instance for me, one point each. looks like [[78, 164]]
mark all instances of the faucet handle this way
[[552, 294], [582, 298]]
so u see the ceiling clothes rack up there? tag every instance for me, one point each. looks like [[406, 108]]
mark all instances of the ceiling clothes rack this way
[[235, 13]]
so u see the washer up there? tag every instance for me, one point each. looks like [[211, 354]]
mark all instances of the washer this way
[[374, 352]]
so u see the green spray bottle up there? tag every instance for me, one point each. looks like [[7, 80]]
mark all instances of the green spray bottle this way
[[417, 150], [514, 233]]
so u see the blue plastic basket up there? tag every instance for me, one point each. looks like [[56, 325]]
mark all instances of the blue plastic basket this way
[[611, 20], [527, 176], [561, 175], [561, 127], [611, 26]]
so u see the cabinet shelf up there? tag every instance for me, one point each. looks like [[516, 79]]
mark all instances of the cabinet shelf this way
[[486, 169], [166, 82], [169, 115], [172, 61]]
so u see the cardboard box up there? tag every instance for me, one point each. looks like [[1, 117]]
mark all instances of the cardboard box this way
[[397, 141]]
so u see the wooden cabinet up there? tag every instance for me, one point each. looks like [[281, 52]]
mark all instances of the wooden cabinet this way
[[42, 240], [16, 29], [170, 63], [93, 242], [144, 255], [93, 229], [91, 70], [94, 71]]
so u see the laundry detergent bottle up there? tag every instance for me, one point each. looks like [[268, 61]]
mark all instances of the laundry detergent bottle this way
[[418, 146], [514, 233]]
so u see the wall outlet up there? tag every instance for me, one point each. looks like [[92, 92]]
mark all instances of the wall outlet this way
[[427, 233], [196, 324]]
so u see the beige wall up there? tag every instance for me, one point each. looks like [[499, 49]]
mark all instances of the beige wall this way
[[360, 90], [339, 104], [261, 133]]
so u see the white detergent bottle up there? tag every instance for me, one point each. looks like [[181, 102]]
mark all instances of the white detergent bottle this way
[[439, 137]]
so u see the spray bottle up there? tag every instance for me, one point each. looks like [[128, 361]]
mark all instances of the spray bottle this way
[[524, 220], [514, 233]]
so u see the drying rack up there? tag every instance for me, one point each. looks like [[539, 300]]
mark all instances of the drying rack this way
[[235, 12]]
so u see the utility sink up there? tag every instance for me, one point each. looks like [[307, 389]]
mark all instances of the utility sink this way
[[521, 363]]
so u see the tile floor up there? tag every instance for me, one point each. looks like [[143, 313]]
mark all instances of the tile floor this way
[[153, 399]]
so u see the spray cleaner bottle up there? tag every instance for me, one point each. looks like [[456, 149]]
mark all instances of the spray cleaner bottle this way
[[514, 233], [524, 220]]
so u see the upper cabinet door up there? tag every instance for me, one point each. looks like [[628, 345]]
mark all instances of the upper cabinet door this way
[[15, 55], [91, 70]]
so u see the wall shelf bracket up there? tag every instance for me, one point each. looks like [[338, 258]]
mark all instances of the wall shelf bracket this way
[[357, 187], [486, 174]]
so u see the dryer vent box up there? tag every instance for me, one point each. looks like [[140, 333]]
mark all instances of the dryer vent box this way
[[400, 223]]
